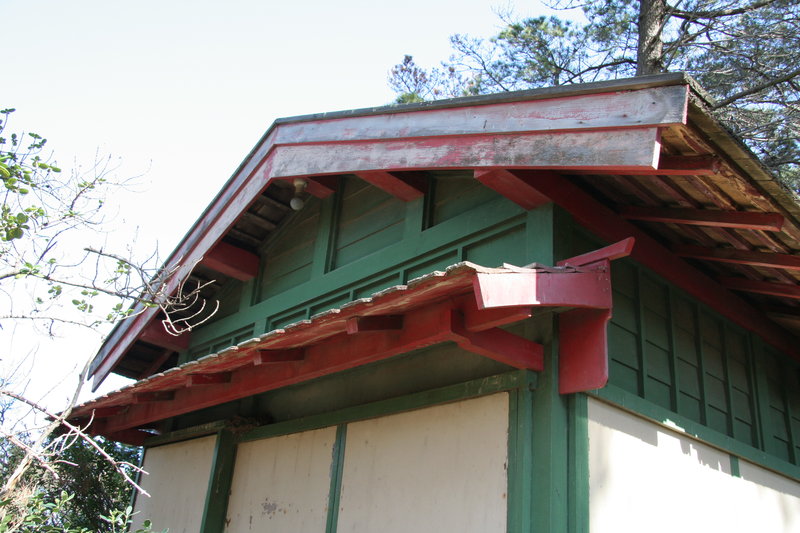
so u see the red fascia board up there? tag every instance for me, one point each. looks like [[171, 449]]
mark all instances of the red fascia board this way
[[607, 225]]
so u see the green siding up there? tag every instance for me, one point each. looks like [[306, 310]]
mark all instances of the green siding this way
[[289, 254], [369, 220], [455, 193]]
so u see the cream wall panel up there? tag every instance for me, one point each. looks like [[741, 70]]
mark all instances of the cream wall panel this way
[[432, 470], [281, 484], [644, 477], [177, 483]]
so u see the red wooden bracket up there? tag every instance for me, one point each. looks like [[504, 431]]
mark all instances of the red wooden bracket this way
[[617, 250], [322, 186], [512, 187], [583, 350], [533, 288], [232, 261]]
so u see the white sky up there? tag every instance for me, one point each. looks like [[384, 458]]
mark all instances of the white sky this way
[[181, 90]]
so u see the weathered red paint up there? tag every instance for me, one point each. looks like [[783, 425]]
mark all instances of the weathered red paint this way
[[617, 250], [232, 261], [504, 182], [550, 289], [582, 350]]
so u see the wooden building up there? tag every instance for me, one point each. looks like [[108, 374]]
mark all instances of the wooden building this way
[[560, 310]]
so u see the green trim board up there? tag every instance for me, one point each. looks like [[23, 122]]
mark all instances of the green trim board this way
[[337, 467], [520, 459], [578, 467], [219, 483]]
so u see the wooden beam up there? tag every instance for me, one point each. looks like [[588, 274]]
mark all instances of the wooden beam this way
[[322, 186], [232, 261], [154, 396], [482, 319], [605, 224], [615, 151], [155, 333], [403, 189], [360, 324], [706, 217], [671, 165], [783, 290], [739, 257], [132, 437], [500, 345], [423, 327], [268, 357], [507, 184], [157, 363], [193, 380]]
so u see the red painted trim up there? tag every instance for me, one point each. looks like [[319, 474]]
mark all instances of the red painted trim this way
[[360, 324], [232, 261], [739, 257], [783, 290], [504, 182], [267, 357], [617, 250], [481, 319], [582, 350], [704, 217], [604, 223], [426, 326], [132, 437], [500, 345], [156, 334], [552, 289], [322, 186], [193, 380], [392, 184]]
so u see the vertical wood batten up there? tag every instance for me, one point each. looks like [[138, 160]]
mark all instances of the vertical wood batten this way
[[219, 483], [337, 467]]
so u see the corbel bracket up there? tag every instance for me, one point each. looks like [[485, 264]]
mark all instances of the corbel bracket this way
[[578, 287]]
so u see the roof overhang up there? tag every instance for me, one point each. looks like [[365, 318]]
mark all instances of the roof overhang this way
[[531, 146]]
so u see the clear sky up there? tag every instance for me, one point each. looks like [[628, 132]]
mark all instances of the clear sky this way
[[180, 91]]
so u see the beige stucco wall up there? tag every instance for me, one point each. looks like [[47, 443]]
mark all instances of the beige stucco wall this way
[[177, 481], [645, 477], [282, 483], [433, 470]]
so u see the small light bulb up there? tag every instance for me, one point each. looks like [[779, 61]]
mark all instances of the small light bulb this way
[[296, 203]]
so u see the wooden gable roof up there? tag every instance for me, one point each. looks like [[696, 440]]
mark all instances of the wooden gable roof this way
[[640, 157]]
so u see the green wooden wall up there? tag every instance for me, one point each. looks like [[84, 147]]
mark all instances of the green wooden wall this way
[[361, 240]]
